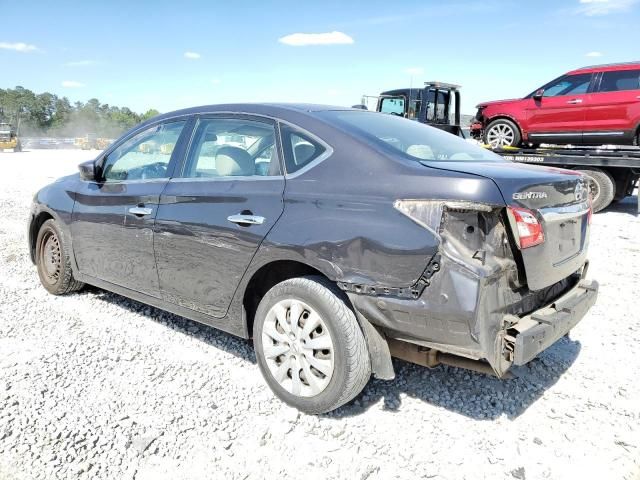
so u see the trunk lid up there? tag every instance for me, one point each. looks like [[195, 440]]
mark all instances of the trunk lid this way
[[560, 201]]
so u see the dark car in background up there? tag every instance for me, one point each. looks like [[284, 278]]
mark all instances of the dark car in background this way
[[594, 105], [335, 238]]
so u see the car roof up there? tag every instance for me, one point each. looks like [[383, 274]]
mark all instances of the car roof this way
[[277, 110], [607, 67]]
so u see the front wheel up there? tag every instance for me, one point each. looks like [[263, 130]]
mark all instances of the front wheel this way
[[52, 259], [502, 133], [309, 345]]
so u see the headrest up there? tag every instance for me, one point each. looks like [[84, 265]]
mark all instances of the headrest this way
[[234, 161], [423, 152], [303, 152]]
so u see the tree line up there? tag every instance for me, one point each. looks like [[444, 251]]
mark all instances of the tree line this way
[[46, 114]]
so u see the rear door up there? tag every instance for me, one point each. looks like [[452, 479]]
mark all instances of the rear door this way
[[558, 117], [613, 110], [216, 211], [113, 218]]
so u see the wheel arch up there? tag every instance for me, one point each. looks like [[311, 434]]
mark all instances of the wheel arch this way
[[276, 271], [505, 116], [265, 277], [34, 227]]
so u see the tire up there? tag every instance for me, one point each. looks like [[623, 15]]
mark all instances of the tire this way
[[502, 133], [602, 188], [344, 364], [52, 260]]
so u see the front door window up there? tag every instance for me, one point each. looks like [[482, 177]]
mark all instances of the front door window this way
[[143, 156]]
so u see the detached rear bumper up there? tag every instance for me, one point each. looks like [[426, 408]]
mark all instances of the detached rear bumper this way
[[539, 330]]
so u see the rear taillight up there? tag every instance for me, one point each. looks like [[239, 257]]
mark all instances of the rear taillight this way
[[529, 231]]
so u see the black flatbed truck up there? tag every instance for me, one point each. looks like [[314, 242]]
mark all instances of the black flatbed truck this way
[[613, 170]]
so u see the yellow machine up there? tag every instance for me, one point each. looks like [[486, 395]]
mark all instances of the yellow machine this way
[[88, 142], [8, 138]]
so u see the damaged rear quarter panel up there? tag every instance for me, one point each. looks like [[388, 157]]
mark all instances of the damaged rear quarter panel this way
[[332, 219]]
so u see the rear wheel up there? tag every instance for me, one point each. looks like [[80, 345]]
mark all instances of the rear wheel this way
[[52, 259], [309, 345], [601, 187], [502, 133]]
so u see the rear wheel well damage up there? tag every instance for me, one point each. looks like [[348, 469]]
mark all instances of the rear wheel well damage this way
[[273, 273], [34, 228], [267, 277]]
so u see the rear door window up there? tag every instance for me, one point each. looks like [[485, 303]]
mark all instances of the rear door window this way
[[620, 81], [232, 147]]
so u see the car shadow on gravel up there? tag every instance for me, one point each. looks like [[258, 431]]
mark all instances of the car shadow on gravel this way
[[475, 395], [237, 346]]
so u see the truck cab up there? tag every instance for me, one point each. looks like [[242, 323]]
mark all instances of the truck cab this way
[[436, 104]]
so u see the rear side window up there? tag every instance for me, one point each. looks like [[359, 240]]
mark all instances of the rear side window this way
[[299, 149], [620, 80]]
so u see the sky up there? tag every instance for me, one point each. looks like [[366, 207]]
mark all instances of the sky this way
[[169, 55]]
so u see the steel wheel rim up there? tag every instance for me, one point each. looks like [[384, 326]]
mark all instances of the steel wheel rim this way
[[500, 135], [51, 256], [298, 348]]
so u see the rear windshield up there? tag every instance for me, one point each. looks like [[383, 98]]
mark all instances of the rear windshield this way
[[417, 141]]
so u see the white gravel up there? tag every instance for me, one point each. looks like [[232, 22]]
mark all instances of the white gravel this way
[[94, 385]]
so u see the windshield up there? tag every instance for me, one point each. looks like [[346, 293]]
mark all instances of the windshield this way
[[416, 140]]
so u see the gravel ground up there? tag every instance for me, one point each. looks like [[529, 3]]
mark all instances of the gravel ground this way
[[94, 385]]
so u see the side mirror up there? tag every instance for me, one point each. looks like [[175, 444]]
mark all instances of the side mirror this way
[[88, 171], [538, 95]]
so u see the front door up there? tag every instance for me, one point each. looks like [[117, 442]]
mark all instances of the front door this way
[[558, 117], [113, 218], [214, 214]]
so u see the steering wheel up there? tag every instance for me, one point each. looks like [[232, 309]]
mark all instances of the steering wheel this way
[[155, 170]]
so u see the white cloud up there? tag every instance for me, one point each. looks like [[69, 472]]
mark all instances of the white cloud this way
[[192, 55], [304, 39], [593, 8], [593, 54], [215, 81], [415, 70], [72, 84], [81, 63], [18, 47]]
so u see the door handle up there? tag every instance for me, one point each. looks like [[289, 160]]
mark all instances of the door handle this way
[[246, 219], [574, 101], [140, 211]]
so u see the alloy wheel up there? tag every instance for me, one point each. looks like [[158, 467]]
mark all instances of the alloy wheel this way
[[298, 348], [500, 135]]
